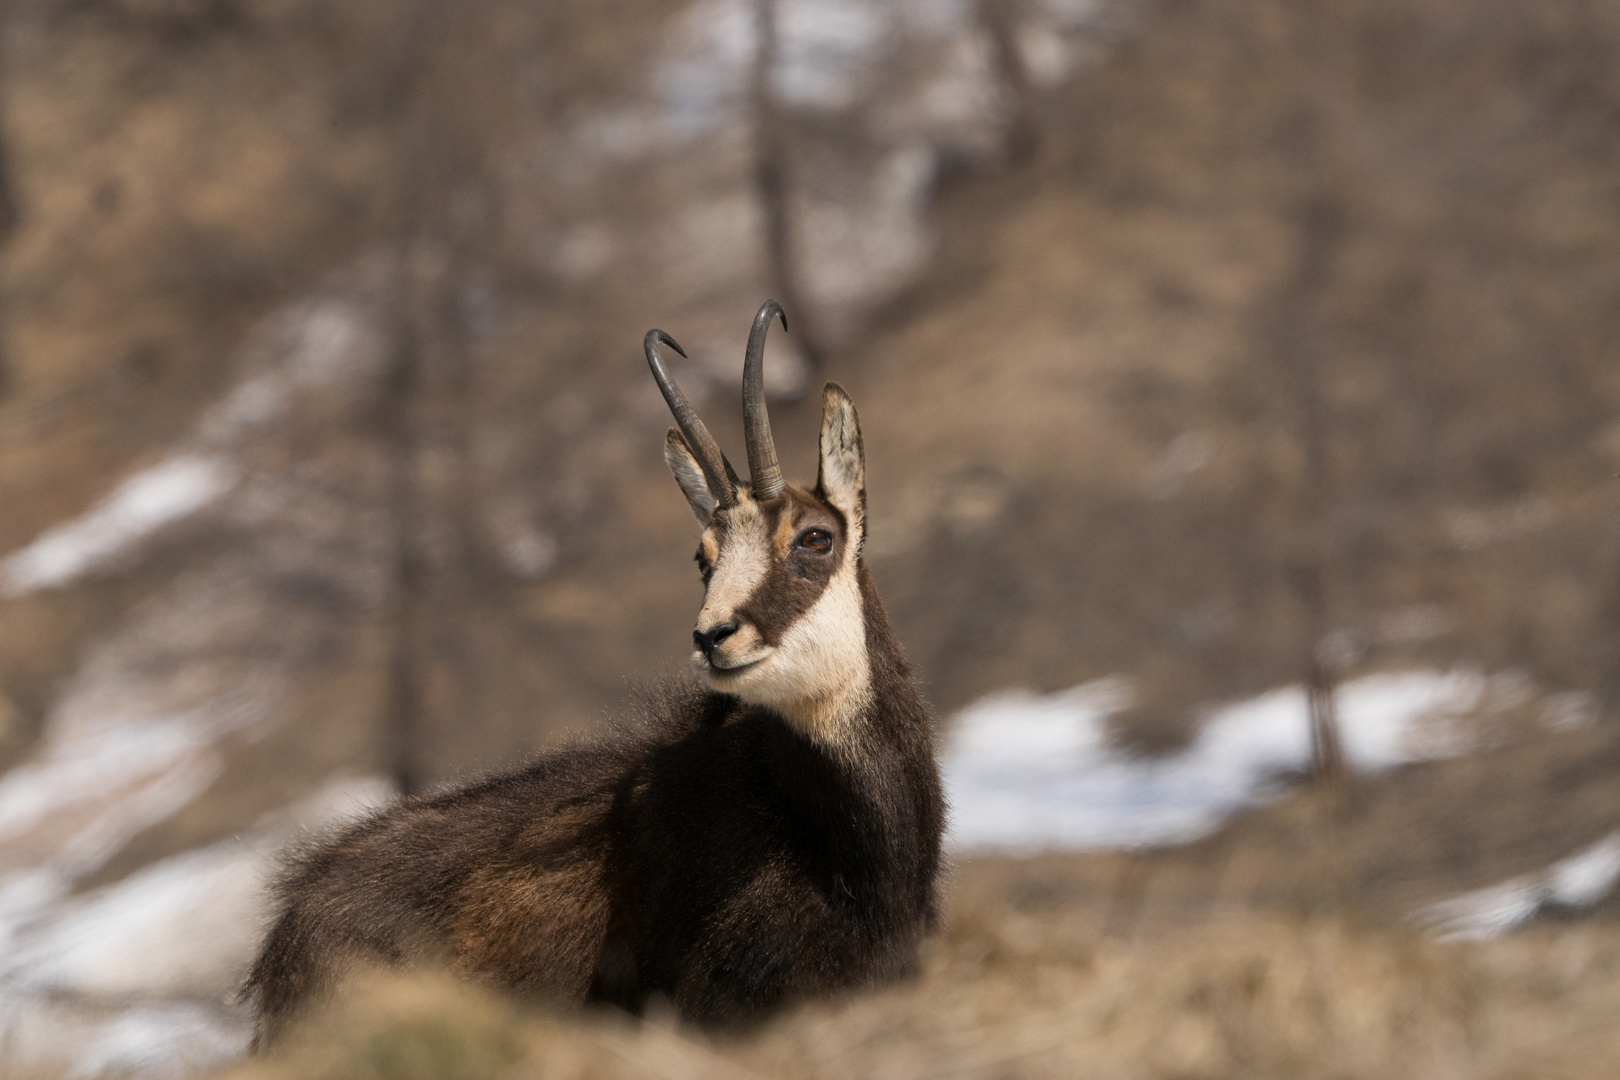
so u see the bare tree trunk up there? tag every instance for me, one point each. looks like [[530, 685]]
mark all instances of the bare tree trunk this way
[[1586, 49], [770, 180], [403, 710], [8, 199], [1607, 688], [417, 303], [1320, 226], [999, 18], [425, 412]]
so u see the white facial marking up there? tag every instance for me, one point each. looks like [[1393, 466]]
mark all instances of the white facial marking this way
[[744, 560], [818, 676]]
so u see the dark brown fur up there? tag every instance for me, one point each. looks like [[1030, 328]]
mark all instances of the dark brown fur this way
[[710, 855]]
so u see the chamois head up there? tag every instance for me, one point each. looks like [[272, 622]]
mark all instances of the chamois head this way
[[781, 623]]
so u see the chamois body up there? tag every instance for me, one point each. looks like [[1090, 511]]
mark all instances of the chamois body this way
[[771, 836]]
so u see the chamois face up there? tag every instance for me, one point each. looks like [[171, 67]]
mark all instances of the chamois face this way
[[781, 623]]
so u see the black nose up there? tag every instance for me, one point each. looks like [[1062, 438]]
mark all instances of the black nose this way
[[708, 640]]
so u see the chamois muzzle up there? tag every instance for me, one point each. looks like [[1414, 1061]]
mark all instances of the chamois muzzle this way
[[717, 471], [709, 640], [764, 472]]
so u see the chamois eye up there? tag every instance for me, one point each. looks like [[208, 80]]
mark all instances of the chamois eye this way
[[816, 540], [704, 569]]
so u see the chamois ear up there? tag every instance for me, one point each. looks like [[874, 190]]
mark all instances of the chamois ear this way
[[842, 480], [689, 474]]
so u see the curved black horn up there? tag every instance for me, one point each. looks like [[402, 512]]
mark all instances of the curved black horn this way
[[764, 473], [717, 472]]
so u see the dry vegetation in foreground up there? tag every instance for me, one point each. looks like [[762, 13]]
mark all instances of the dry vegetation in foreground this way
[[1009, 995]]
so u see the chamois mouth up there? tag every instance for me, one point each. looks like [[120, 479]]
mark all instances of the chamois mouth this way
[[713, 667]]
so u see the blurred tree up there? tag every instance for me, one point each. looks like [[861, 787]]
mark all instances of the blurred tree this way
[[771, 166], [423, 399], [1001, 21], [8, 198], [1320, 225]]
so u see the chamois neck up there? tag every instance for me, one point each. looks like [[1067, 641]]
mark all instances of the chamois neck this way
[[834, 719], [884, 703], [890, 672]]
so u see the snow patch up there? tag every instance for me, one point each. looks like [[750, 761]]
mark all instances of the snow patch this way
[[138, 977], [77, 1040], [142, 936], [93, 789], [823, 47], [144, 503], [1026, 772], [313, 345], [334, 339], [1578, 881], [530, 554]]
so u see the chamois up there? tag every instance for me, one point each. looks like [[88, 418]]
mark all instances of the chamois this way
[[772, 836]]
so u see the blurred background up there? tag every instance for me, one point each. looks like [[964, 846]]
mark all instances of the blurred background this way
[[1242, 410]]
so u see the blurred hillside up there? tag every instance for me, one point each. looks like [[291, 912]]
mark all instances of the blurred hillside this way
[[380, 321], [1198, 343]]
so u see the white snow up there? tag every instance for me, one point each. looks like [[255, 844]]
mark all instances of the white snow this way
[[823, 48], [1586, 878], [26, 894], [144, 503], [334, 339], [1582, 879], [1025, 772], [137, 977], [823, 45], [828, 50], [141, 935], [87, 770], [40, 1037], [530, 554], [92, 788], [319, 344]]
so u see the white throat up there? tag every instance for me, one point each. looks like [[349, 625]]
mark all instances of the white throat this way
[[819, 677]]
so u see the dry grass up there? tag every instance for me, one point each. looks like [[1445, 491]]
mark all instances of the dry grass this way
[[1039, 996]]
